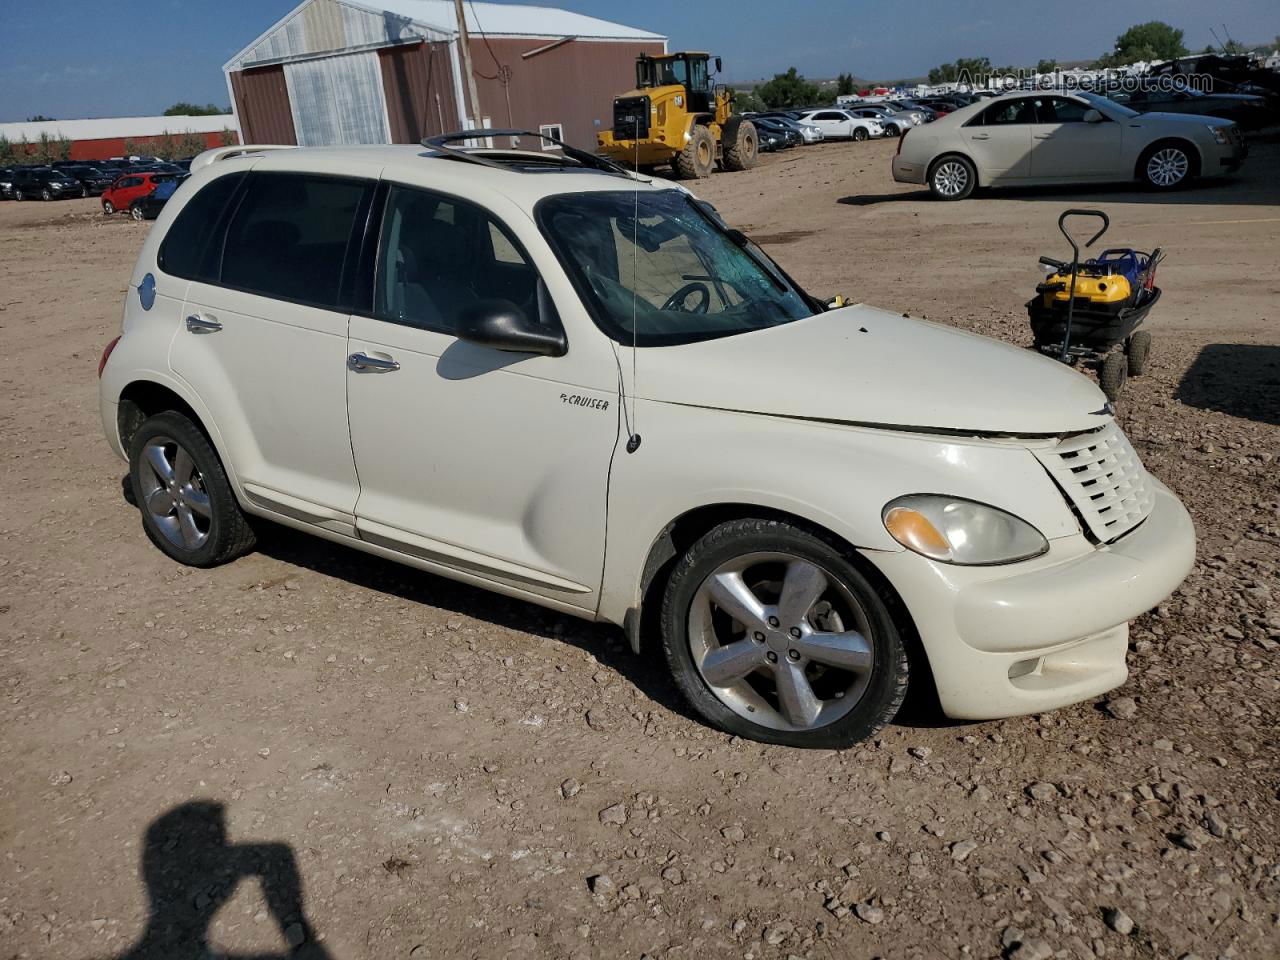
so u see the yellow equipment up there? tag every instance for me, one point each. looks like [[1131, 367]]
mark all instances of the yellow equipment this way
[[1112, 288], [676, 115]]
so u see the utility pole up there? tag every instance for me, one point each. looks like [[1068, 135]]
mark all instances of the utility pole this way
[[464, 41]]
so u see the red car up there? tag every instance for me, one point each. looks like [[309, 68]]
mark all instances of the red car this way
[[128, 187]]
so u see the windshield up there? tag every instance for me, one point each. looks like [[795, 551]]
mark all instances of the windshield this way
[[683, 279], [1108, 104]]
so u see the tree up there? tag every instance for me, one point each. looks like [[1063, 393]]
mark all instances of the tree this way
[[964, 70], [788, 89], [1155, 40], [184, 109], [1046, 66], [39, 118], [844, 85], [746, 101]]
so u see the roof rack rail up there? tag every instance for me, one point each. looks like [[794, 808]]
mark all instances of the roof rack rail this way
[[442, 144], [222, 153]]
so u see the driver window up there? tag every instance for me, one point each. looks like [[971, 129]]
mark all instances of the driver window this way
[[1061, 110], [438, 255], [671, 277]]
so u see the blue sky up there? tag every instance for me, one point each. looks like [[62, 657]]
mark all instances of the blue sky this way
[[63, 60]]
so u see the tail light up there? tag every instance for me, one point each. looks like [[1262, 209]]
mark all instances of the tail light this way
[[106, 355]]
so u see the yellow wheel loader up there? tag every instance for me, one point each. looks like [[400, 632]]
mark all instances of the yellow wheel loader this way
[[676, 115]]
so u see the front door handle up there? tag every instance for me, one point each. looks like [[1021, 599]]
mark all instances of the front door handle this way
[[1044, 136], [981, 136], [199, 324], [363, 363]]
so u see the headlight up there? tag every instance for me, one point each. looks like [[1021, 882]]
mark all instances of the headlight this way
[[1219, 134], [963, 532]]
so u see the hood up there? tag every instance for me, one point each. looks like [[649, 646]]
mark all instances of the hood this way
[[868, 366]]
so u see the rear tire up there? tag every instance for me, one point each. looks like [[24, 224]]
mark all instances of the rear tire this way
[[744, 150], [859, 133], [1113, 374], [952, 178], [834, 680], [698, 158], [135, 211], [188, 507], [1138, 350]]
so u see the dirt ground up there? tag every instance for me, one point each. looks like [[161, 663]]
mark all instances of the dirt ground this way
[[314, 749]]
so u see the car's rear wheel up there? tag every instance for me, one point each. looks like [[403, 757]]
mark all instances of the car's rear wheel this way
[[772, 633], [953, 178], [1167, 165], [135, 211], [18, 194], [188, 508], [108, 207], [859, 133]]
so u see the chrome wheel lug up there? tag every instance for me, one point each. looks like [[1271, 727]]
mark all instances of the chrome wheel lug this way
[[793, 655], [773, 621], [758, 637], [771, 657], [795, 632]]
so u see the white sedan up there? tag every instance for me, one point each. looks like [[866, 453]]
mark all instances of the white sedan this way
[[1022, 139], [895, 122], [838, 124]]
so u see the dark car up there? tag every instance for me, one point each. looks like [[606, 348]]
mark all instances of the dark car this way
[[6, 183], [790, 135], [148, 207], [43, 182], [1249, 112], [92, 180]]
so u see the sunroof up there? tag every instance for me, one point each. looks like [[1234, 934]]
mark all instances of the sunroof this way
[[572, 159]]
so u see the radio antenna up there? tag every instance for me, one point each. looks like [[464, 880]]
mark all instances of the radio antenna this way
[[633, 441]]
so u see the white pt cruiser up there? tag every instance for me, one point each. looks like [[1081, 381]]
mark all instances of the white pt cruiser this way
[[541, 375]]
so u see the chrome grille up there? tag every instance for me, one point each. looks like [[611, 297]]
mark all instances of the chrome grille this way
[[1103, 478]]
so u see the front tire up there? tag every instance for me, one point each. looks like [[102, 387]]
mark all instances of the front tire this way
[[698, 158], [859, 133], [744, 150], [953, 178], [893, 130], [188, 507], [108, 208], [1113, 374], [46, 194], [1168, 165], [772, 633]]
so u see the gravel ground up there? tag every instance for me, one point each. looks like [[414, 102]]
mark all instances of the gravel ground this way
[[312, 750]]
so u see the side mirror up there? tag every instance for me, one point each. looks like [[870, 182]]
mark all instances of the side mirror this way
[[719, 68], [502, 325], [1093, 116]]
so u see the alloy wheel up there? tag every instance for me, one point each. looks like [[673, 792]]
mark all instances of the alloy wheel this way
[[780, 641], [1168, 167], [174, 493], [951, 178]]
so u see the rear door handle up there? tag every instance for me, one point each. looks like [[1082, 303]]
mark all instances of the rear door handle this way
[[1044, 136], [199, 324], [982, 136], [363, 363]]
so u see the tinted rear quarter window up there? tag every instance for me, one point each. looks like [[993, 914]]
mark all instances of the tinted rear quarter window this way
[[288, 237], [187, 250]]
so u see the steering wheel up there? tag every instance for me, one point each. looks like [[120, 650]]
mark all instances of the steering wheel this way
[[677, 300]]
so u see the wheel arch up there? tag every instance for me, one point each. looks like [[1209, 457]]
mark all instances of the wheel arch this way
[[1193, 153], [143, 398], [641, 623]]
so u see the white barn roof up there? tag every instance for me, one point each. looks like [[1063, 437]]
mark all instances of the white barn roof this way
[[113, 127], [318, 27]]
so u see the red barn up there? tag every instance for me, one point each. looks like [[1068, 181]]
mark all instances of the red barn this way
[[120, 136], [390, 71]]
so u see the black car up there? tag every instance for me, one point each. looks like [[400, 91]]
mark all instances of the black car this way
[[6, 183], [790, 137], [44, 183], [92, 180], [149, 207], [1249, 112]]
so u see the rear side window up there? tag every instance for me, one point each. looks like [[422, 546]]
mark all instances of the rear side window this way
[[1060, 110], [1008, 112], [288, 237], [187, 250]]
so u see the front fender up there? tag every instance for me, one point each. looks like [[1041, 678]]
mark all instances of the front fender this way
[[834, 476]]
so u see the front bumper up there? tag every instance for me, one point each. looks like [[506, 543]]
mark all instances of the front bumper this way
[[1033, 636]]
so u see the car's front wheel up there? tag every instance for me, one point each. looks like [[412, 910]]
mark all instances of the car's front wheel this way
[[772, 633], [859, 133], [1167, 165], [188, 507], [108, 207], [953, 178]]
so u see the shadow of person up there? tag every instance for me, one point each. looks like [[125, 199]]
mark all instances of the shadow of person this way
[[191, 871]]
